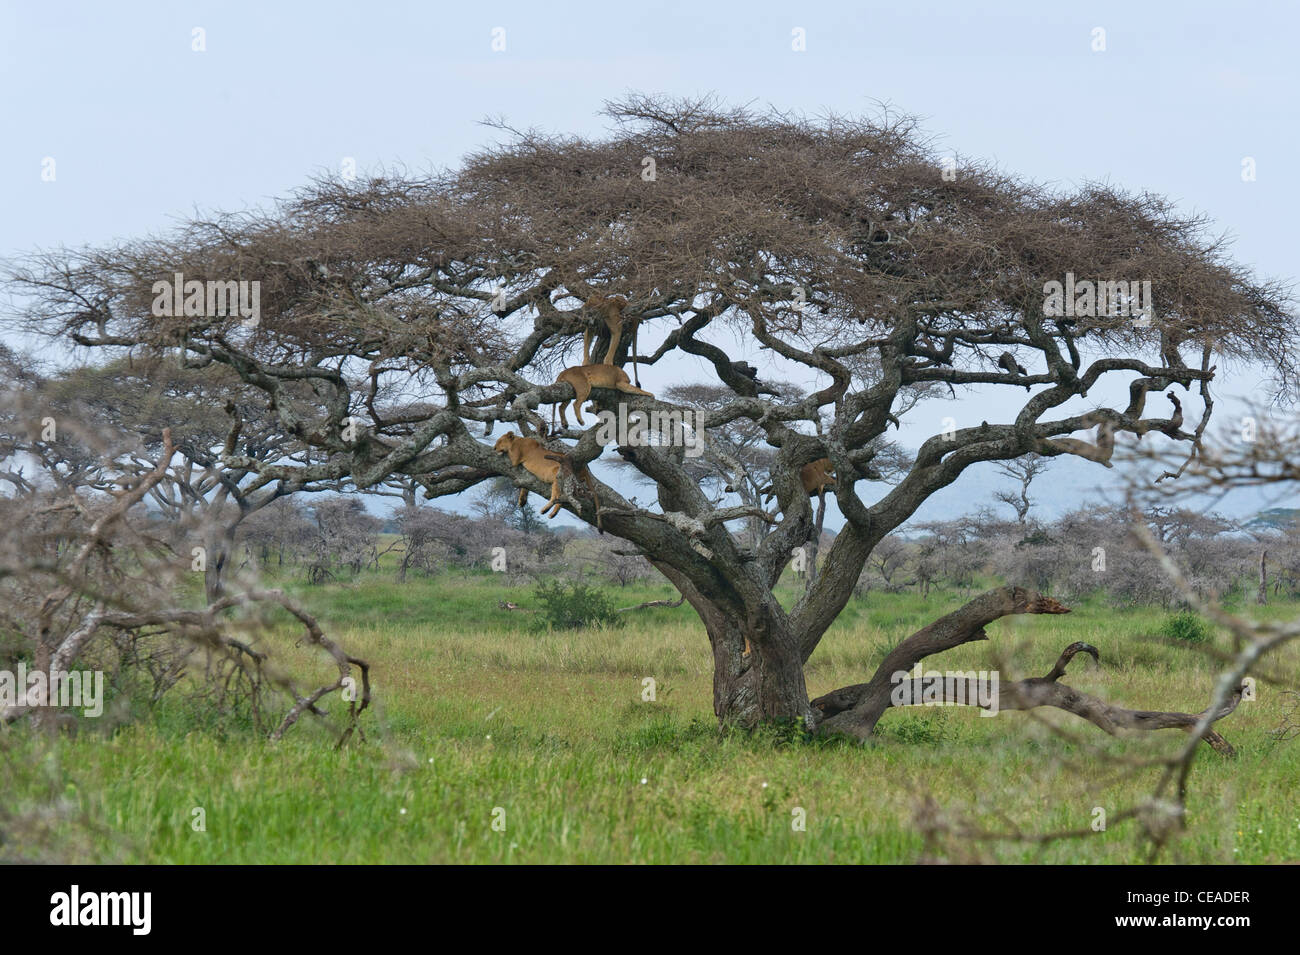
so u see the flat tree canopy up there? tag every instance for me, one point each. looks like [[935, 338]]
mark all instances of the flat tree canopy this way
[[402, 319]]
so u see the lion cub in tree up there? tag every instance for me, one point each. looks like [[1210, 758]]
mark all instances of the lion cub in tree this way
[[585, 377]]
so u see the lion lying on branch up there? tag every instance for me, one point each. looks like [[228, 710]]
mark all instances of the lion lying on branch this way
[[546, 464], [585, 377]]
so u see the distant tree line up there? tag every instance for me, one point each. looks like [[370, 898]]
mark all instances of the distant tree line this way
[[1091, 551]]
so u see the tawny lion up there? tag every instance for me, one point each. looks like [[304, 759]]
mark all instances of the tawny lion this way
[[816, 477], [545, 464], [533, 456], [585, 377], [611, 307]]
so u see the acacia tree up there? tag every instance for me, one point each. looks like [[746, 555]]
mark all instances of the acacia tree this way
[[1024, 471], [844, 249]]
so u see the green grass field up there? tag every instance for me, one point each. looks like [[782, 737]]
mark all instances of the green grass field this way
[[478, 719]]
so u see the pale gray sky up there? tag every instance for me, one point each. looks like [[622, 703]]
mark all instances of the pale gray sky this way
[[143, 129]]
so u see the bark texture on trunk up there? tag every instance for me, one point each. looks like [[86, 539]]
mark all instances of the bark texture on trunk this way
[[764, 685]]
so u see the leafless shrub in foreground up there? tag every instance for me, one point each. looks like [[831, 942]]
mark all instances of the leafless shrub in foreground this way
[[85, 565]]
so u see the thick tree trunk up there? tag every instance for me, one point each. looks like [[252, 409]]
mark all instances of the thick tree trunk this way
[[765, 685], [1261, 597], [220, 545]]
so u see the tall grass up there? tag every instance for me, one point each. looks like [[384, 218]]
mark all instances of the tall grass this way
[[478, 719]]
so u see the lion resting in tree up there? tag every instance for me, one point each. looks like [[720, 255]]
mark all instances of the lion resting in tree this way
[[545, 464], [816, 477], [534, 457], [585, 377]]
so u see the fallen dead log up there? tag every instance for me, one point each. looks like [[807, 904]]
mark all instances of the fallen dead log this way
[[653, 603], [855, 710]]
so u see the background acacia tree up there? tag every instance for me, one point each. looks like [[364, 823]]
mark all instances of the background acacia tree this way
[[90, 575], [1022, 471], [209, 411], [839, 248], [737, 460]]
